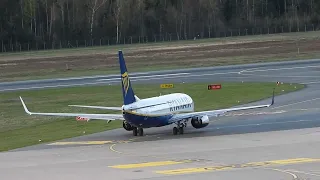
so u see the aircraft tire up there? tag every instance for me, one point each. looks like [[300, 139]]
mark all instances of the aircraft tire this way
[[181, 130], [140, 131], [175, 131], [135, 131]]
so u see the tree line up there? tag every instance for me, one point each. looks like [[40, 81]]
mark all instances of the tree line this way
[[51, 21]]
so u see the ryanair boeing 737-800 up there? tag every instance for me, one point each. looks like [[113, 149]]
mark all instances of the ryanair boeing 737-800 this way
[[137, 114]]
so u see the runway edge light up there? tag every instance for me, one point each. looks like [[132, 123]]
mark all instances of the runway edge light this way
[[214, 86]]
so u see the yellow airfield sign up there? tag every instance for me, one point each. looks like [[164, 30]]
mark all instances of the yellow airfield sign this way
[[166, 85]]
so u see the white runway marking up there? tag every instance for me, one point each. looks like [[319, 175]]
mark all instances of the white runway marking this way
[[276, 69], [255, 113], [246, 125], [53, 86], [186, 75], [112, 80], [282, 76], [284, 171], [160, 76], [138, 77], [295, 103], [314, 82], [302, 172]]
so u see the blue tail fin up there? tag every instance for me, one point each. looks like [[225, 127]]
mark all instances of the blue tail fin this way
[[127, 91]]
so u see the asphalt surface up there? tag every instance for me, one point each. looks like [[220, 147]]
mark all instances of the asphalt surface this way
[[281, 142], [225, 73]]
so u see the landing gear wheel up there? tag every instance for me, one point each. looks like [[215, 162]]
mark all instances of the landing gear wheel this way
[[175, 131], [181, 131], [135, 131], [140, 131]]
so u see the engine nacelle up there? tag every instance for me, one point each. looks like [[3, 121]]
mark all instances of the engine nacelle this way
[[200, 122], [127, 126]]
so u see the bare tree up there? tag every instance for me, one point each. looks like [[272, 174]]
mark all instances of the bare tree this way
[[22, 13], [30, 12], [77, 20], [118, 5], [61, 5], [94, 6]]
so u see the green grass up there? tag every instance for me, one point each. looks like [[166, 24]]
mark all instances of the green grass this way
[[18, 129]]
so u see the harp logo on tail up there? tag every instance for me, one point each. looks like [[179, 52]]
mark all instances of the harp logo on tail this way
[[125, 82]]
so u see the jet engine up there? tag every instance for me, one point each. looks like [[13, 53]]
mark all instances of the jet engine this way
[[200, 122], [127, 126]]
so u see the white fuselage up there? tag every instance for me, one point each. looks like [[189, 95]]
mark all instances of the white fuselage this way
[[163, 105]]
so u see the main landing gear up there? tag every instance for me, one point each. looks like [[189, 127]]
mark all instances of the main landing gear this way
[[180, 128], [137, 131]]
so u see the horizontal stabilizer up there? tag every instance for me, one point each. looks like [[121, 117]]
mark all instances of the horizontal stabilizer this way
[[98, 107], [137, 98]]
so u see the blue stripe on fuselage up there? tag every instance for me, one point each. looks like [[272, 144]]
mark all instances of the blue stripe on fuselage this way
[[146, 121]]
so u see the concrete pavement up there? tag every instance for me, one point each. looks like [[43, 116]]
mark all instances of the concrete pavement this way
[[281, 142]]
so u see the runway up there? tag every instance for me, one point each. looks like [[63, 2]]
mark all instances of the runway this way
[[281, 142], [220, 73]]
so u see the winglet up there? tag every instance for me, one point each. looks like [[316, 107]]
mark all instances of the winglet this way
[[25, 107], [272, 97]]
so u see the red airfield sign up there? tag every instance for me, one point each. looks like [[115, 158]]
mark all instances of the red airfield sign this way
[[214, 86], [78, 118]]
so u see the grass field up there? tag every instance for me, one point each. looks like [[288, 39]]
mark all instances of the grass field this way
[[158, 56], [18, 129], [162, 44]]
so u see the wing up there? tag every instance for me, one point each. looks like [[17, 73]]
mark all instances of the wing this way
[[216, 113], [98, 107], [78, 115]]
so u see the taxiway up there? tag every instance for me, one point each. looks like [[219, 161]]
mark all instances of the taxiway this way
[[281, 142]]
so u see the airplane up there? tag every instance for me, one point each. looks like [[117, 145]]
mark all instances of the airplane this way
[[138, 114]]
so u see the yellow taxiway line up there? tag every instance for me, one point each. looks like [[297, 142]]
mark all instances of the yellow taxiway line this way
[[88, 142], [82, 143], [228, 167], [149, 164]]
